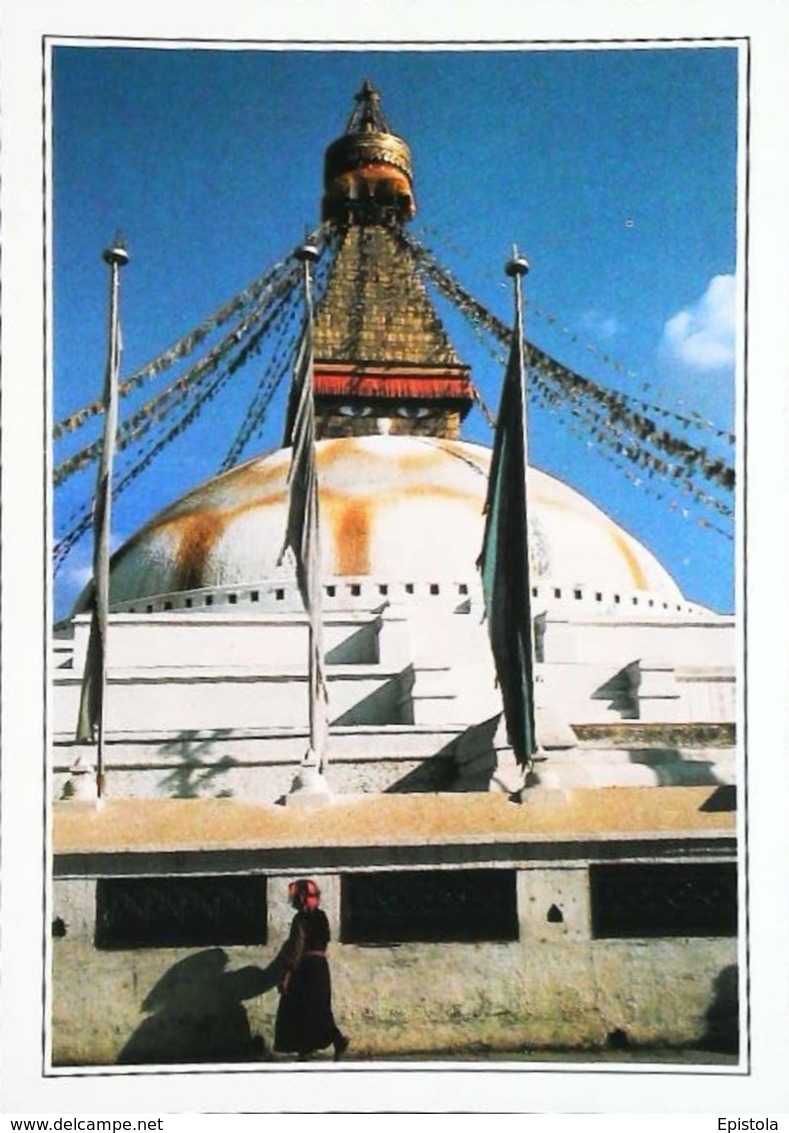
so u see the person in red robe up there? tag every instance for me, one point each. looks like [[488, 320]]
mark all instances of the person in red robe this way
[[305, 1021]]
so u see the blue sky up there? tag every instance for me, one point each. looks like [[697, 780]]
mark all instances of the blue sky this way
[[614, 170]]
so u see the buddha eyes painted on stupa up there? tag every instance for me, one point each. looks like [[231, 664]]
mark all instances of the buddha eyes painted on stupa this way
[[414, 412], [355, 411], [408, 412]]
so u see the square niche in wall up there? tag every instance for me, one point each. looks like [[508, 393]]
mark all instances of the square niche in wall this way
[[446, 905], [179, 912]]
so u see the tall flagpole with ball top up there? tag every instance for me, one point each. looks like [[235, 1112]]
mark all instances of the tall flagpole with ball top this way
[[310, 785], [504, 561], [91, 724]]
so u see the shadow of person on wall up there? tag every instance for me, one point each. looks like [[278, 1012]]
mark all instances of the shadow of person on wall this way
[[197, 1013], [722, 1031]]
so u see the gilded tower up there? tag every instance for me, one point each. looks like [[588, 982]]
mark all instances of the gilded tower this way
[[383, 361]]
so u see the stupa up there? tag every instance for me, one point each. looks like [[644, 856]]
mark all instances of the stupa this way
[[590, 896]]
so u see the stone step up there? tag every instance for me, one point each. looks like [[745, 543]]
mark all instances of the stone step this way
[[246, 746]]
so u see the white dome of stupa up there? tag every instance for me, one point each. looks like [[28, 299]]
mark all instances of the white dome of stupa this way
[[394, 509]]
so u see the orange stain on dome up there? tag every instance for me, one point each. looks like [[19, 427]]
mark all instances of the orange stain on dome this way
[[346, 449], [351, 520], [328, 449], [351, 523], [634, 566], [197, 537], [200, 520], [259, 473], [195, 534]]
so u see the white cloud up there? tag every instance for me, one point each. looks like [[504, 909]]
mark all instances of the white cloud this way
[[702, 336]]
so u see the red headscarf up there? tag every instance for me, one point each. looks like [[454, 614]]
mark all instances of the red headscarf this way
[[304, 894]]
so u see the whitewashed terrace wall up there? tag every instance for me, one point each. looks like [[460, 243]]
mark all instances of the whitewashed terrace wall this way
[[555, 987]]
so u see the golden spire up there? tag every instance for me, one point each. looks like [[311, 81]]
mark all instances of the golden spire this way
[[383, 361], [368, 178]]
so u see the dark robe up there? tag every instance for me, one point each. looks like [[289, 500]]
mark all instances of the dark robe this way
[[304, 1018]]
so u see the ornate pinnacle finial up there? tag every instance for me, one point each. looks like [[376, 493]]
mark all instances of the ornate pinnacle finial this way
[[367, 116], [368, 93], [367, 172]]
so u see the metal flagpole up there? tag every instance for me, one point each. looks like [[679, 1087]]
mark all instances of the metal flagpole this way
[[303, 538], [504, 561], [92, 705], [318, 714], [517, 269]]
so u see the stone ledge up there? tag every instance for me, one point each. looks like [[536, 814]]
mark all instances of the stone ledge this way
[[662, 735]]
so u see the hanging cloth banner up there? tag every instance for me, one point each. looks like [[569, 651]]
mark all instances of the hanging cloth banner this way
[[91, 720], [302, 535], [504, 562]]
